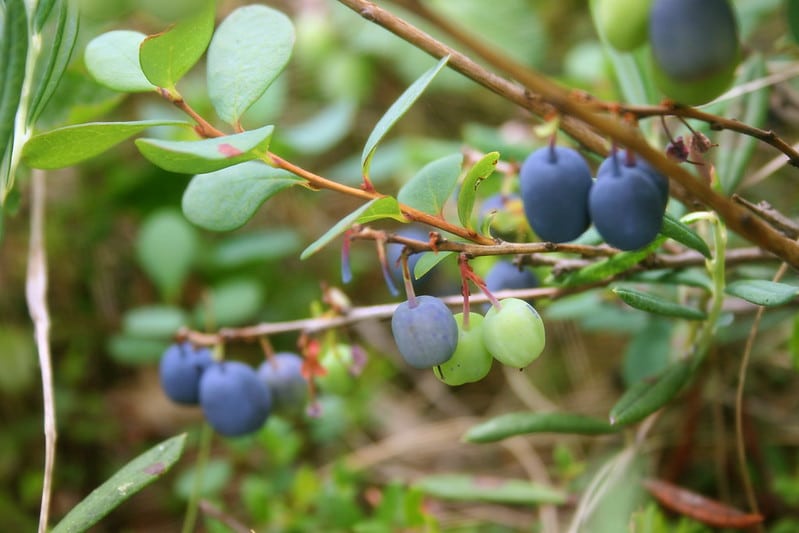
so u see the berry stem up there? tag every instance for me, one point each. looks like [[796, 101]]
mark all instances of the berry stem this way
[[406, 278], [203, 454], [463, 264]]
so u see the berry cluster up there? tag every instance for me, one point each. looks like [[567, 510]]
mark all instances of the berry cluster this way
[[235, 398], [626, 203], [462, 350], [694, 45]]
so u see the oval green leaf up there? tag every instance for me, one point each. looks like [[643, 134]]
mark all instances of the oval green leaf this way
[[133, 477], [248, 51], [513, 424], [231, 303], [656, 305], [427, 261], [479, 171], [206, 155], [340, 227], [674, 229], [762, 292], [397, 109], [69, 145], [386, 207], [463, 487], [113, 60], [226, 199], [432, 185], [649, 395], [166, 247], [165, 57], [153, 321]]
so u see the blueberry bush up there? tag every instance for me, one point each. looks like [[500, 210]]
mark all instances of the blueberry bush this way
[[415, 265]]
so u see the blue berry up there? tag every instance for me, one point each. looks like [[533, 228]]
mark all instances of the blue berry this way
[[393, 251], [282, 374], [234, 401], [506, 275], [660, 181], [626, 206], [555, 183], [180, 370], [426, 334]]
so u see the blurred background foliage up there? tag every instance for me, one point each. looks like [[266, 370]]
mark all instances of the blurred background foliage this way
[[126, 269]]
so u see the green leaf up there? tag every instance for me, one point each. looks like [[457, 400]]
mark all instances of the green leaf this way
[[154, 321], [133, 477], [427, 261], [58, 51], [386, 207], [656, 305], [340, 227], [69, 145], [226, 199], [166, 248], [479, 171], [397, 109], [130, 350], [647, 396], [648, 352], [322, 131], [762, 292], [611, 266], [463, 487], [735, 151], [525, 423], [248, 51], [432, 185], [793, 19], [13, 51], [206, 155], [42, 13], [251, 248], [674, 229], [232, 303], [113, 59], [167, 56]]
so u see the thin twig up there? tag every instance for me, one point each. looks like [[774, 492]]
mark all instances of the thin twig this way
[[212, 511], [765, 211], [36, 294], [739, 402], [536, 86]]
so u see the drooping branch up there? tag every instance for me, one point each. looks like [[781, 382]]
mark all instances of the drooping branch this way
[[535, 87]]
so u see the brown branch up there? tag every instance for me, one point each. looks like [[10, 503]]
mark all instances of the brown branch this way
[[536, 86], [765, 211]]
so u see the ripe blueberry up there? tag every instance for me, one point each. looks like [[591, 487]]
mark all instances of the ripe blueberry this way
[[426, 333], [514, 334], [622, 157], [471, 361], [180, 370], [282, 374], [626, 206], [234, 400], [506, 275], [555, 182]]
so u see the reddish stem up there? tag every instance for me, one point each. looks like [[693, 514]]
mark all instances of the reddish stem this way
[[406, 278]]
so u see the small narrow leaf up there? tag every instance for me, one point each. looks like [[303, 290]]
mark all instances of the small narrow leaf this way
[[247, 53], [432, 185], [611, 266], [13, 51], [206, 155], [427, 261], [654, 304], [382, 208], [113, 59], [488, 489], [340, 227], [674, 229], [69, 145], [649, 395], [479, 171], [133, 477], [42, 13], [165, 57], [58, 52], [512, 424], [397, 109], [762, 292], [226, 199]]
